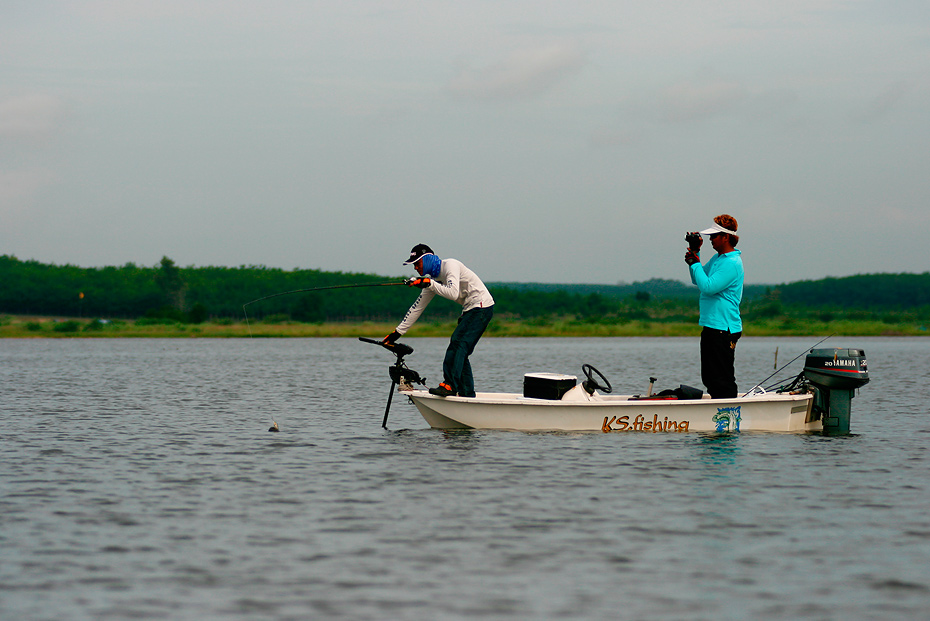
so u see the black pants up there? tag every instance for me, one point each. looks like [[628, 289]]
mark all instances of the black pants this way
[[718, 349]]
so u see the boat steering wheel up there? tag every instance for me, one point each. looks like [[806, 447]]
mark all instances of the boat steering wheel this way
[[590, 384]]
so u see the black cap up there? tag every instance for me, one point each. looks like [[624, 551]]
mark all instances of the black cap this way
[[418, 251]]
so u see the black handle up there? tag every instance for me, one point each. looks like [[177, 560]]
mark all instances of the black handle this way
[[398, 349]]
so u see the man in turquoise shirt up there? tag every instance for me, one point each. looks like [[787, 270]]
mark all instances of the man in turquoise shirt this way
[[720, 282]]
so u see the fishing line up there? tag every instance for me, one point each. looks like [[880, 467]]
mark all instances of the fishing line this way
[[789, 362], [274, 295], [274, 424]]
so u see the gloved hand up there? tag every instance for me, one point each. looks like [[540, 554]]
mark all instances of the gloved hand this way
[[421, 282], [691, 257], [694, 240], [390, 338]]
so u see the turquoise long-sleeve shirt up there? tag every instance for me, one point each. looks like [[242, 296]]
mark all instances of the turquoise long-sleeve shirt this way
[[720, 282]]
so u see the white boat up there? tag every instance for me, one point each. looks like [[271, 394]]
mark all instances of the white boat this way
[[579, 411], [817, 400]]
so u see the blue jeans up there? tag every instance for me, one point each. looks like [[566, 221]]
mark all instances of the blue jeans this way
[[456, 370]]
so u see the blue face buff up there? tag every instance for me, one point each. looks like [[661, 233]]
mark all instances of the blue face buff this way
[[431, 265]]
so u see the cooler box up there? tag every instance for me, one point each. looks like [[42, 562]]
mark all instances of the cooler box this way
[[547, 385]]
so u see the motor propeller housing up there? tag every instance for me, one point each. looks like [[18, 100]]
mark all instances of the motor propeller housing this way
[[405, 377]]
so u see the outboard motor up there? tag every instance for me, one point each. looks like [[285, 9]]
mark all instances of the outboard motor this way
[[835, 374]]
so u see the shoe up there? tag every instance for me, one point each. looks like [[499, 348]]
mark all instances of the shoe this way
[[443, 390]]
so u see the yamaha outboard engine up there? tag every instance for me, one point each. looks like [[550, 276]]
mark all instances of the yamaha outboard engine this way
[[835, 374]]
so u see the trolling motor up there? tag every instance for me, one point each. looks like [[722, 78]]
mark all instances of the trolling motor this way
[[400, 373], [835, 375]]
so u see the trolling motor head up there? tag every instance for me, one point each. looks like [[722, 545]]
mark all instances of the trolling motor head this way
[[398, 349], [400, 374]]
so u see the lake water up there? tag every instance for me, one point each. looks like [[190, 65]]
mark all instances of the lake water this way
[[138, 480]]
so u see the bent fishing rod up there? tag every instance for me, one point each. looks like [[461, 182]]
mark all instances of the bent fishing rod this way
[[350, 286], [748, 392]]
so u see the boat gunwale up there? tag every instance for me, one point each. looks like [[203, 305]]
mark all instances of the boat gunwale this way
[[607, 400]]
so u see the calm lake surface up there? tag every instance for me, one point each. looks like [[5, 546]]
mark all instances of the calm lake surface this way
[[138, 480]]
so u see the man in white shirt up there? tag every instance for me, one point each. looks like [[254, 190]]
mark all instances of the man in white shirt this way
[[452, 280]]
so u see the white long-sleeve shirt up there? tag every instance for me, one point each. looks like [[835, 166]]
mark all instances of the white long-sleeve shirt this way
[[455, 282]]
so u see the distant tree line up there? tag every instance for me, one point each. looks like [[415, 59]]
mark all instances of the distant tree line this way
[[171, 293], [866, 291]]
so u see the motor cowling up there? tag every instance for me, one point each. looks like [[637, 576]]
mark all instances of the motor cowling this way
[[837, 368], [835, 374]]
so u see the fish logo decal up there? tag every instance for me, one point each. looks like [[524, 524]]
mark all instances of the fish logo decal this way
[[727, 419]]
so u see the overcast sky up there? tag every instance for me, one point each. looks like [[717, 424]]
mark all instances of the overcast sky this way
[[552, 141]]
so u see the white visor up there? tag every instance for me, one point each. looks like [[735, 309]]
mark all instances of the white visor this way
[[716, 228]]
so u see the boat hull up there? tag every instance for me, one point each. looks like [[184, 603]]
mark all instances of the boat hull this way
[[610, 413]]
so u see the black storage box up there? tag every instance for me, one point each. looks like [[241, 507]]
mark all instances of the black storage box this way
[[547, 385]]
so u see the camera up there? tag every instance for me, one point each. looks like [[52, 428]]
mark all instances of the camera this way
[[694, 240]]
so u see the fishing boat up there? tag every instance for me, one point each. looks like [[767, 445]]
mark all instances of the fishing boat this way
[[579, 411], [817, 400]]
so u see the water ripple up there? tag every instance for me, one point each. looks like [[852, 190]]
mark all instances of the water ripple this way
[[138, 480]]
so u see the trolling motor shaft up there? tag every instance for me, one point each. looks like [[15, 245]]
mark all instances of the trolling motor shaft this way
[[400, 373]]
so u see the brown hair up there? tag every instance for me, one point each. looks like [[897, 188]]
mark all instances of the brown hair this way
[[728, 222]]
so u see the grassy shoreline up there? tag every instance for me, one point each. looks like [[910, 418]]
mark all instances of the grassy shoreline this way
[[70, 327]]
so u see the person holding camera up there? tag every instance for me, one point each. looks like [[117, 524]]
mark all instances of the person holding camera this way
[[720, 282]]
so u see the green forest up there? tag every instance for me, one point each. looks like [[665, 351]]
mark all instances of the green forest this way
[[169, 293]]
